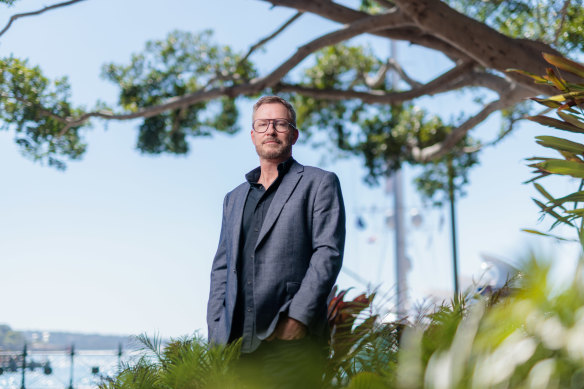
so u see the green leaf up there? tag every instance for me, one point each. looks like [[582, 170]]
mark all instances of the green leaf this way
[[562, 97], [536, 178], [538, 159], [545, 194], [551, 212], [367, 380], [548, 103], [538, 79], [555, 123], [560, 144], [535, 232], [579, 211], [571, 119], [565, 64], [563, 167], [557, 81], [573, 197]]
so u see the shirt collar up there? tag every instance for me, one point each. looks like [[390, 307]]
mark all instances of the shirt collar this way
[[253, 176]]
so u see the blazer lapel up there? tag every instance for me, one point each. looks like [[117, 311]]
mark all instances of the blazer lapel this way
[[284, 191]]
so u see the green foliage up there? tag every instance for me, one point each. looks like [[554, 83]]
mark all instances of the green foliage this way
[[10, 339], [381, 134], [553, 22], [179, 65], [570, 117], [353, 345], [185, 363], [527, 335], [28, 105]]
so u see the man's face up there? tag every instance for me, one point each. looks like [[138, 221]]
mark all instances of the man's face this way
[[273, 145]]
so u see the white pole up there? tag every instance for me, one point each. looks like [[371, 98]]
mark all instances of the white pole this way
[[401, 265]]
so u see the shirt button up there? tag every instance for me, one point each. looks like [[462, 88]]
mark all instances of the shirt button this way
[[256, 230], [249, 309], [249, 282], [233, 269], [251, 256]]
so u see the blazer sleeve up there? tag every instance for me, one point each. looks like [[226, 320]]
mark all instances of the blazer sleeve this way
[[328, 242], [218, 276]]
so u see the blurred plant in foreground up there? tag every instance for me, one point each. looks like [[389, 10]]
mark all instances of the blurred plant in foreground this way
[[531, 336]]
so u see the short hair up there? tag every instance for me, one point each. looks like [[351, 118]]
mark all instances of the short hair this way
[[276, 99]]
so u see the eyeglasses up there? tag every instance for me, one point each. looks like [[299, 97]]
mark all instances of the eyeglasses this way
[[281, 125]]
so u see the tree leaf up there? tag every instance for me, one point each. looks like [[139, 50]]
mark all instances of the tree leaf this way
[[555, 123], [571, 119], [551, 212], [537, 78], [569, 156], [573, 197], [547, 102], [558, 82], [544, 234], [579, 211], [544, 192], [560, 144], [563, 167], [536, 178], [565, 64]]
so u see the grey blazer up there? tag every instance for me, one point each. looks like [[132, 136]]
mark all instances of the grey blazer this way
[[297, 257]]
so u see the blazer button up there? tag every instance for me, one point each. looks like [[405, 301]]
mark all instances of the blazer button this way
[[233, 269]]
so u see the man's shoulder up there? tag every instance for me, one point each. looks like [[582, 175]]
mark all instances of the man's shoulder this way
[[316, 172], [238, 190]]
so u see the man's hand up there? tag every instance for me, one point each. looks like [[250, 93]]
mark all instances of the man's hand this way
[[288, 329]]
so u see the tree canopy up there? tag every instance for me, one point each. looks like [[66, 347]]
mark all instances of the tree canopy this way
[[185, 85]]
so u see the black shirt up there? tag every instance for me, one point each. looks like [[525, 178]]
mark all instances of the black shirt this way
[[256, 207]]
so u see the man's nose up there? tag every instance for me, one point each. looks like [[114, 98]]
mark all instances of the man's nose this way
[[271, 128]]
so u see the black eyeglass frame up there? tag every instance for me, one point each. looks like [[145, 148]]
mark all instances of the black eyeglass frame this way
[[273, 122]]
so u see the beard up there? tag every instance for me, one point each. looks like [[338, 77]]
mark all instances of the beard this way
[[279, 150]]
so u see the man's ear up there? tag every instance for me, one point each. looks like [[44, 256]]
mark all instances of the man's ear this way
[[295, 134]]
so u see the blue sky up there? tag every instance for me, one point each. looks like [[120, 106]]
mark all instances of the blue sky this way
[[122, 243]]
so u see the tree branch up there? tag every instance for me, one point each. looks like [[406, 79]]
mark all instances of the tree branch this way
[[440, 149], [439, 85], [367, 24], [478, 41], [271, 36], [13, 18], [341, 14], [375, 81], [564, 13], [255, 47], [402, 74]]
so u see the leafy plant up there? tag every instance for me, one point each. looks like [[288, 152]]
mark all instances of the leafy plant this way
[[186, 363], [352, 327], [567, 77]]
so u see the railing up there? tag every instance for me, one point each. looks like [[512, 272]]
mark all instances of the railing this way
[[64, 369]]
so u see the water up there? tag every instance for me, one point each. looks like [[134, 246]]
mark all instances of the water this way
[[89, 367]]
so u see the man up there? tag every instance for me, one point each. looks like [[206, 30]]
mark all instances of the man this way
[[281, 243]]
